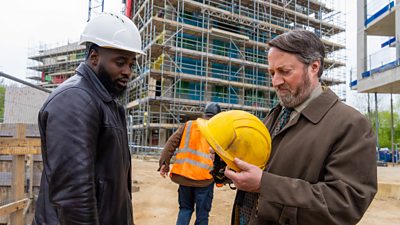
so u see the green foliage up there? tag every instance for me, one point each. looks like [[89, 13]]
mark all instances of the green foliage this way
[[385, 128]]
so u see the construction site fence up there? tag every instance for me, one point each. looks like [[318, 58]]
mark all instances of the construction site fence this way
[[20, 159], [143, 118], [20, 172], [145, 150]]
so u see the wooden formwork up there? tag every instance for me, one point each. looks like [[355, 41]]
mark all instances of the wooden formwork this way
[[18, 145]]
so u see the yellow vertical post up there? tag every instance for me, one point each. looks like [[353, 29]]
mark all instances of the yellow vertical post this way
[[18, 177]]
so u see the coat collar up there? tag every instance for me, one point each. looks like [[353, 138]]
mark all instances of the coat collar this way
[[314, 111], [317, 108], [85, 71]]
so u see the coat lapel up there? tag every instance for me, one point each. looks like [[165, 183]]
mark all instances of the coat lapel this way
[[317, 108], [314, 112]]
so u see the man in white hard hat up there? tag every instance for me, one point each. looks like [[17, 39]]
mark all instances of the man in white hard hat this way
[[86, 175], [322, 169]]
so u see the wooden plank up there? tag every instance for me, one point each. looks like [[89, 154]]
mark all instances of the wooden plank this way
[[18, 179], [20, 150], [20, 142], [13, 207]]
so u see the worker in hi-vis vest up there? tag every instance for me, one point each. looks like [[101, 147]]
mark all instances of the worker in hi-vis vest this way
[[191, 169]]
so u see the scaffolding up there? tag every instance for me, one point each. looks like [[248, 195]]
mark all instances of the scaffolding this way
[[199, 51], [52, 64]]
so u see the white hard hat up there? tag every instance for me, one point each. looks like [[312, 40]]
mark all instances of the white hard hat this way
[[113, 31]]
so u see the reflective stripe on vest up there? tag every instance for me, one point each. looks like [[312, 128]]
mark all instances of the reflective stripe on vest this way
[[193, 162], [192, 159]]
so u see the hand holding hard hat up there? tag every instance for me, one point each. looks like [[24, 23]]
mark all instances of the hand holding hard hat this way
[[237, 134], [248, 179]]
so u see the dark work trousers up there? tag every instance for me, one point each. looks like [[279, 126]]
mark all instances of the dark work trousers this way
[[189, 197]]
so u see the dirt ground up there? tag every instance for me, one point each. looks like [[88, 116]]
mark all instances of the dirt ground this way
[[156, 202]]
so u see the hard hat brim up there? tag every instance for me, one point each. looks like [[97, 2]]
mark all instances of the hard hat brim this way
[[103, 44], [228, 159]]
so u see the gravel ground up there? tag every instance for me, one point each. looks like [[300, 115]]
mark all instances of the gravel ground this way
[[156, 202]]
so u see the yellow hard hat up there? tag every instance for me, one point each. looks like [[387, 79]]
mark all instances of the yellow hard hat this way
[[237, 134]]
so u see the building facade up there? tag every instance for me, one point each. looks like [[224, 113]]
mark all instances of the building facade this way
[[51, 65], [198, 51], [215, 50], [378, 72]]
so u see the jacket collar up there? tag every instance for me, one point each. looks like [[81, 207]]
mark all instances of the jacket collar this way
[[85, 71], [314, 111], [314, 94], [317, 108]]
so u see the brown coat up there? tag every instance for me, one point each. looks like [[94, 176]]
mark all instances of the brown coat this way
[[322, 168]]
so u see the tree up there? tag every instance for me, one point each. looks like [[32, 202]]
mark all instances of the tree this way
[[385, 128]]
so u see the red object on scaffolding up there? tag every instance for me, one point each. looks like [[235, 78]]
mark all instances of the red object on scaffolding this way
[[128, 9]]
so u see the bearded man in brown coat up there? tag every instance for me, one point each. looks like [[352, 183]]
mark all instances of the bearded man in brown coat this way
[[322, 168]]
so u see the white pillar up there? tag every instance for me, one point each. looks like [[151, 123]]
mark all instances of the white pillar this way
[[397, 29], [361, 38]]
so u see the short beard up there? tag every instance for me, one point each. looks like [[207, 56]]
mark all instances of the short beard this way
[[299, 95], [111, 86]]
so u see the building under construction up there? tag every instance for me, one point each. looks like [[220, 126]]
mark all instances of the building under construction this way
[[51, 65], [215, 50], [199, 51]]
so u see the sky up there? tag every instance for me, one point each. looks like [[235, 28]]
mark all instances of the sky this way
[[28, 24]]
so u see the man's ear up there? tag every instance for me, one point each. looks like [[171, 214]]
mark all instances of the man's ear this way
[[315, 67], [93, 57]]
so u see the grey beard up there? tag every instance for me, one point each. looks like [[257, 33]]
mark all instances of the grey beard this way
[[293, 100]]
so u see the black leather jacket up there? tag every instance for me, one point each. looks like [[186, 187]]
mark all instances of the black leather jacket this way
[[87, 169]]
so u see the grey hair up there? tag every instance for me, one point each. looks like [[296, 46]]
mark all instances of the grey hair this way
[[304, 44]]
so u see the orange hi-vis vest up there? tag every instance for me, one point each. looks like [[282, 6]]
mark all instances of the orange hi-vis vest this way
[[192, 159]]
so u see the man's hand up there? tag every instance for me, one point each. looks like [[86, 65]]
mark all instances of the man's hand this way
[[246, 180], [212, 154], [164, 170]]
